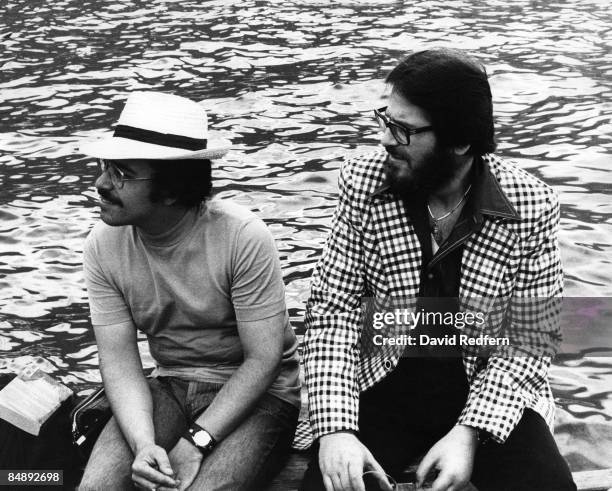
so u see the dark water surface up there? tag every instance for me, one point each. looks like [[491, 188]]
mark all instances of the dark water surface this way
[[293, 85]]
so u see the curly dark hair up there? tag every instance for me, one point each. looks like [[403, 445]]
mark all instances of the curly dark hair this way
[[453, 89], [187, 181]]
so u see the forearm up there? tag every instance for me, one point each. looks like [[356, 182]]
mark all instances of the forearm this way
[[130, 399], [238, 396]]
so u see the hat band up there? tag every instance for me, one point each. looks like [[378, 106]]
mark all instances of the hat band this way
[[164, 139]]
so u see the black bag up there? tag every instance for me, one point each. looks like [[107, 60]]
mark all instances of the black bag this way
[[52, 449], [88, 420]]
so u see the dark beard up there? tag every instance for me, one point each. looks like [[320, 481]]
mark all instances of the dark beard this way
[[437, 170]]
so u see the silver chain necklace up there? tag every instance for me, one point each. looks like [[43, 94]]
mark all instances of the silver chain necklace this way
[[436, 229]]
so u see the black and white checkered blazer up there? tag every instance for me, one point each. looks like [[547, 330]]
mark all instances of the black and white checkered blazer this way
[[373, 250]]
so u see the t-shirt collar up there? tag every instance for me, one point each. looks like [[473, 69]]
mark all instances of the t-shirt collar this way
[[174, 234]]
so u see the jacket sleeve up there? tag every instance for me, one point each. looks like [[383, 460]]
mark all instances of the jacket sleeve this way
[[515, 376], [333, 321]]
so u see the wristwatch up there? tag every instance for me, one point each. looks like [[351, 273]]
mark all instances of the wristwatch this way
[[203, 440]]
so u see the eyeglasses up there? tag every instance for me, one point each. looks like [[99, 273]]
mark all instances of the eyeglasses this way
[[117, 176], [399, 132]]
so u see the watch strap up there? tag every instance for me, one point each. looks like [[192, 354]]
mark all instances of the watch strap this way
[[189, 435]]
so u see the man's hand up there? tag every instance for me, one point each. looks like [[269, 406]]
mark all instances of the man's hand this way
[[343, 459], [151, 468], [453, 457], [186, 460]]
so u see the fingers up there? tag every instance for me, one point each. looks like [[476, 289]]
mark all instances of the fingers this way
[[332, 483], [327, 482], [379, 473], [142, 483], [150, 478], [425, 468], [341, 460], [444, 482], [339, 485], [145, 471], [149, 485], [335, 482], [163, 462], [348, 479], [449, 481], [355, 477]]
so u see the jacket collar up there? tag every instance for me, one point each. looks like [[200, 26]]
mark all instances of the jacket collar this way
[[488, 196]]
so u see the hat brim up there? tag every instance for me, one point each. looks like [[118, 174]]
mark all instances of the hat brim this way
[[116, 148]]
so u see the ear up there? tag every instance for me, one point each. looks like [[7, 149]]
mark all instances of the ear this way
[[461, 150]]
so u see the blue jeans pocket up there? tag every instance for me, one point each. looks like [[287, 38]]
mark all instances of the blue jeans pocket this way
[[199, 396]]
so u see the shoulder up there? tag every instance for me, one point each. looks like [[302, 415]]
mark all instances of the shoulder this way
[[232, 219], [529, 195], [225, 211], [104, 250], [364, 174], [105, 237], [238, 233]]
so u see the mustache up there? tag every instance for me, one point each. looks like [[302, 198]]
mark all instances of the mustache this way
[[108, 197], [392, 150]]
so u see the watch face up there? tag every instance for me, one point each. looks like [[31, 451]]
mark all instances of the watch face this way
[[202, 438]]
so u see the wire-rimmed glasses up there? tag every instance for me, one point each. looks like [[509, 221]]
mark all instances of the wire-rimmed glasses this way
[[117, 175]]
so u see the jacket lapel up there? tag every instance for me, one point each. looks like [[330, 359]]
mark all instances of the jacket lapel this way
[[489, 253]]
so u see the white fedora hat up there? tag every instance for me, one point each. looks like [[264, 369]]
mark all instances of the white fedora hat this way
[[156, 126]]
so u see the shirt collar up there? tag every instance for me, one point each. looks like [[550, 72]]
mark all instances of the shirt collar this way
[[488, 196], [380, 190]]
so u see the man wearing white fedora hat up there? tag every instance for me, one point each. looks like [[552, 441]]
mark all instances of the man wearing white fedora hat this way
[[201, 278]]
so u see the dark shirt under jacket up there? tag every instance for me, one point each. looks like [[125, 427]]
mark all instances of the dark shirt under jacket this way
[[439, 368]]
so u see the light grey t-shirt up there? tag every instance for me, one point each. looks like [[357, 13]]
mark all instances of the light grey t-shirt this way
[[187, 288]]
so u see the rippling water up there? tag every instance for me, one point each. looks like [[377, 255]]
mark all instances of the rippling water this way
[[293, 85]]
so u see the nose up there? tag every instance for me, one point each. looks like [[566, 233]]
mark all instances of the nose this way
[[103, 181], [387, 139]]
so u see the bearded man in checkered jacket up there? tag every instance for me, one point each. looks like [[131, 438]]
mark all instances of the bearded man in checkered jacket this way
[[435, 219]]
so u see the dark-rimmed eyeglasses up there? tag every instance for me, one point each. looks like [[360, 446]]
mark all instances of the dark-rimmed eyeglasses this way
[[399, 132], [117, 175]]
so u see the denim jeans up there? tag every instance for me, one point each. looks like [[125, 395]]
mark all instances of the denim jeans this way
[[247, 458]]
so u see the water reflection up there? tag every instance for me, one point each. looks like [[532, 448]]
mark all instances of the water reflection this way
[[293, 85]]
